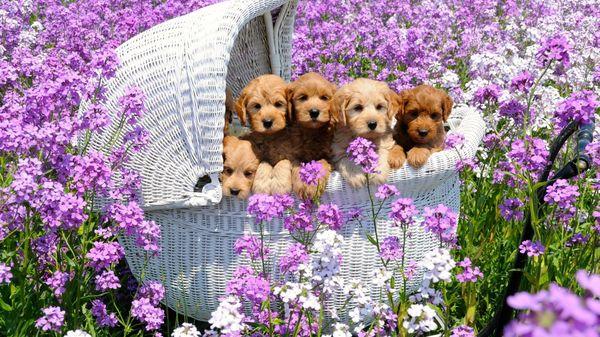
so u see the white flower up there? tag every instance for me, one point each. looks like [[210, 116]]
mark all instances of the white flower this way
[[325, 263], [77, 333], [289, 292], [420, 318], [341, 330], [186, 330], [438, 264], [310, 301], [227, 317], [380, 277]]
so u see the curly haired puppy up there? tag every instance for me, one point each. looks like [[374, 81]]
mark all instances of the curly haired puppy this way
[[309, 99], [420, 127], [239, 167], [363, 108], [263, 105]]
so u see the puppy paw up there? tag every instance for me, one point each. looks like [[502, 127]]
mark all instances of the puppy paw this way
[[305, 191], [397, 157], [417, 156], [281, 177], [262, 179]]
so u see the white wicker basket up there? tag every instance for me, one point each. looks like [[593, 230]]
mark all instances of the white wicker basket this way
[[183, 66]]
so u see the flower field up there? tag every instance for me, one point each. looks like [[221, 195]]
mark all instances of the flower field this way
[[532, 69]]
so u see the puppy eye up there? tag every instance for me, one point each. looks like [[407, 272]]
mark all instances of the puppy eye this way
[[324, 98], [380, 107], [256, 106], [358, 107], [414, 114], [279, 104], [227, 170], [435, 116], [302, 98], [248, 174]]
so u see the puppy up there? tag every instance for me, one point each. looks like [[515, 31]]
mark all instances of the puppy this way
[[263, 105], [240, 164], [309, 99], [420, 127], [363, 108]]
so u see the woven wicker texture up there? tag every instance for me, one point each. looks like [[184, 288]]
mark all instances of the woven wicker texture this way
[[183, 66], [198, 258]]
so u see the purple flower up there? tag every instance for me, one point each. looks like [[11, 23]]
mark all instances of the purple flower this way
[[132, 104], [441, 221], [410, 270], [104, 254], [403, 212], [510, 209], [53, 319], [147, 313], [385, 191], [522, 82], [531, 155], [363, 153], [390, 248], [251, 246], [555, 312], [152, 290], [311, 172], [513, 109], [555, 48], [330, 215], [245, 284], [532, 248], [295, 255], [454, 140], [5, 274], [580, 107], [487, 94], [107, 280], [266, 207], [102, 317], [469, 273], [563, 195], [591, 283], [463, 331], [466, 163], [138, 138], [90, 173], [57, 282], [59, 209], [577, 239], [301, 220]]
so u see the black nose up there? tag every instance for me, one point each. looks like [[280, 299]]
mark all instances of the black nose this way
[[423, 133], [267, 123], [234, 191], [314, 113], [372, 125]]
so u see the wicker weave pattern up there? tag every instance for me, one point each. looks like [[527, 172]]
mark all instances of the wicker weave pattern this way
[[198, 258]]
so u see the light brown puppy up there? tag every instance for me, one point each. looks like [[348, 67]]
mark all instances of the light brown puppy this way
[[264, 106], [309, 99], [420, 127], [240, 164], [363, 108]]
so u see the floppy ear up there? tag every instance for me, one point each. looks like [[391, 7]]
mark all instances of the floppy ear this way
[[403, 98], [289, 95], [393, 103], [240, 107], [447, 106], [337, 106]]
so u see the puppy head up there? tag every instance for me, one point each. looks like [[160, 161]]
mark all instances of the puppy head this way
[[239, 165], [423, 110], [365, 106], [309, 100], [263, 104]]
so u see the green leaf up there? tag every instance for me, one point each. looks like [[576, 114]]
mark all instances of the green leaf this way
[[371, 239], [5, 306]]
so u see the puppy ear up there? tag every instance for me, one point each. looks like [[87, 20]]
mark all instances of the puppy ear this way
[[337, 106], [393, 103], [447, 107], [240, 107], [289, 95]]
